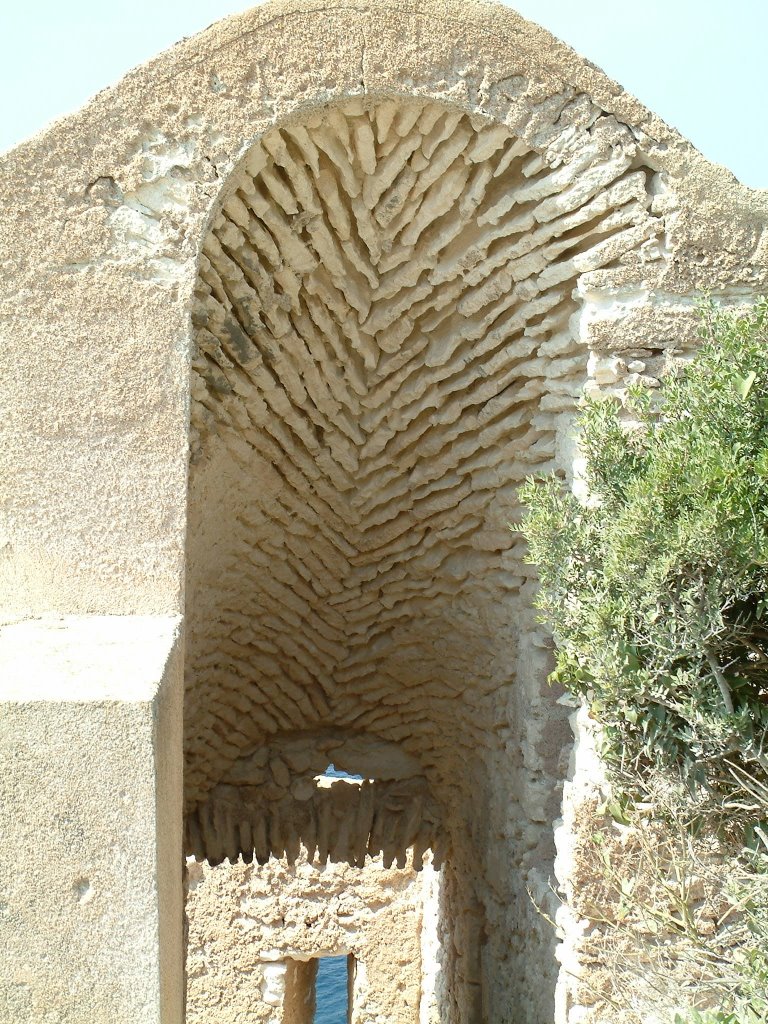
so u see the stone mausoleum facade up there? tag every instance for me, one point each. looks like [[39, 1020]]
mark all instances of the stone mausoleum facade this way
[[287, 315]]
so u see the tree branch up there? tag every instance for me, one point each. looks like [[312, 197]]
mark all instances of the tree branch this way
[[722, 684]]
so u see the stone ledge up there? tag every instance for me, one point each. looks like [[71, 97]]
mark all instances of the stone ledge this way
[[85, 657]]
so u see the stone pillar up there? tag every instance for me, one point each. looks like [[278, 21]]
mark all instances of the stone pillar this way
[[91, 902]]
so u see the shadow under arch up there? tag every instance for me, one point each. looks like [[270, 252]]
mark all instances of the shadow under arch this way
[[383, 351], [279, 797]]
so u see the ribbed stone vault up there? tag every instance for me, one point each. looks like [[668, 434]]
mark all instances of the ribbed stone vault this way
[[384, 349]]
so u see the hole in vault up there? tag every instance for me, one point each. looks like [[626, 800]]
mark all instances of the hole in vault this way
[[332, 772]]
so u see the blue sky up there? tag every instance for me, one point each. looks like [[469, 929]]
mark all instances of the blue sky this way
[[700, 64]]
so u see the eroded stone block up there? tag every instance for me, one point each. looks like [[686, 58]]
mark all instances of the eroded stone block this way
[[90, 821]]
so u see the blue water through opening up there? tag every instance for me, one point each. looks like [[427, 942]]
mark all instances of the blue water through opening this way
[[332, 984], [331, 989]]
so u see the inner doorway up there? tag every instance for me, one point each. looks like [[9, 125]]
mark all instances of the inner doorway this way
[[319, 991]]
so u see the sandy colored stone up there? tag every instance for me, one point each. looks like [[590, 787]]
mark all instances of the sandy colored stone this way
[[289, 313], [90, 815], [252, 929]]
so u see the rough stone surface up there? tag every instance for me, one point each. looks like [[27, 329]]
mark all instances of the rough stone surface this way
[[90, 815], [112, 201], [255, 934], [383, 350], [296, 306]]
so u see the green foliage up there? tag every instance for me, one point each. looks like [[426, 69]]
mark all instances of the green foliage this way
[[707, 1017], [656, 587], [741, 1016]]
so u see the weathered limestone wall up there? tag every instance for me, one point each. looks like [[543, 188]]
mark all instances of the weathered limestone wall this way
[[253, 928], [91, 902], [386, 345], [393, 245]]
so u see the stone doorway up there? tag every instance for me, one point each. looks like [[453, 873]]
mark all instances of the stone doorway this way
[[384, 347], [257, 935]]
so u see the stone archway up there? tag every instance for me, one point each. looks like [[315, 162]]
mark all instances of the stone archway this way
[[384, 348], [408, 240]]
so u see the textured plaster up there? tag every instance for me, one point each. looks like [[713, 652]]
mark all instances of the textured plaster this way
[[295, 307], [248, 924], [90, 893]]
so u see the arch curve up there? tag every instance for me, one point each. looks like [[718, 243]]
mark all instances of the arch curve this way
[[130, 182], [375, 253], [385, 346]]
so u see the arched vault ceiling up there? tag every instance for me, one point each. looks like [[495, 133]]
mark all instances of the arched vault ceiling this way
[[383, 351]]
